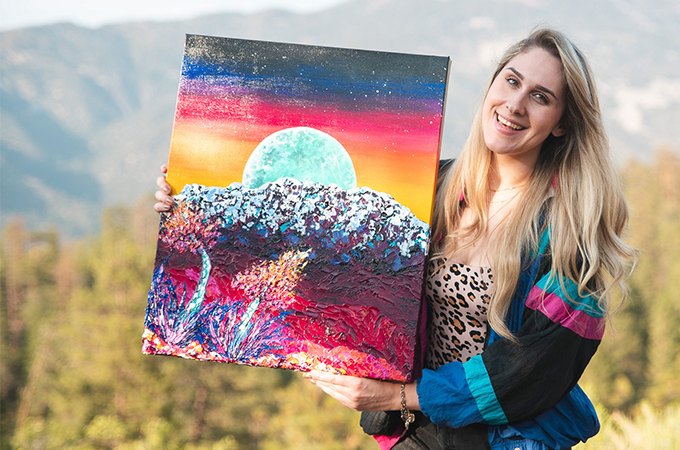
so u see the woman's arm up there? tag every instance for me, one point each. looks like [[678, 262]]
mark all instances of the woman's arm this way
[[511, 382]]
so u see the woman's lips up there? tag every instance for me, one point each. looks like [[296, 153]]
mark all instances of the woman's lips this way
[[508, 124]]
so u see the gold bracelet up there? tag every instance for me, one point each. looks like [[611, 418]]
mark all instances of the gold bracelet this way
[[407, 416]]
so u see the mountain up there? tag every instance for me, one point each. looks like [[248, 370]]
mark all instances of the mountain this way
[[86, 114]]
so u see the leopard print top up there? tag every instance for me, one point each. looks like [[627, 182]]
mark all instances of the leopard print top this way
[[458, 296]]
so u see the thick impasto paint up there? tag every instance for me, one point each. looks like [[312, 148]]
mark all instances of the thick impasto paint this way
[[304, 180]]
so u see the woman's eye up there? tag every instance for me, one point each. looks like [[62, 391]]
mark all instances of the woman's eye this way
[[512, 81], [541, 98]]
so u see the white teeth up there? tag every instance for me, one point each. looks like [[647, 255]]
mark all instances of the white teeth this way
[[509, 124]]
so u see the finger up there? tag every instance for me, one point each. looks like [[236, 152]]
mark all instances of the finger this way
[[165, 202], [333, 388], [340, 396], [331, 378], [164, 168], [320, 379], [161, 207], [339, 390], [163, 185], [165, 198]]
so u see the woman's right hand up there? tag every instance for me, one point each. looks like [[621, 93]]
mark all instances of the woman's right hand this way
[[165, 200]]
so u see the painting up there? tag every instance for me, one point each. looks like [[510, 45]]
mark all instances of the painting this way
[[304, 180]]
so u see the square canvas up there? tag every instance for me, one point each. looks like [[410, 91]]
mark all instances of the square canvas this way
[[304, 180]]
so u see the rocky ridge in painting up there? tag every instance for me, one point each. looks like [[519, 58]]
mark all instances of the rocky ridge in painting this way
[[280, 276]]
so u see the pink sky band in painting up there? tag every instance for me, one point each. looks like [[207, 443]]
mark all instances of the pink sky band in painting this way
[[378, 123]]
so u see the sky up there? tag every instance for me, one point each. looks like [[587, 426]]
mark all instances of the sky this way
[[23, 13]]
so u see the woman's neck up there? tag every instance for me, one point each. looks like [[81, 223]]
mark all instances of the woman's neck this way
[[509, 172]]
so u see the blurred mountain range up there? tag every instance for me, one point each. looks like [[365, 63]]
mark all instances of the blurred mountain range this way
[[86, 114]]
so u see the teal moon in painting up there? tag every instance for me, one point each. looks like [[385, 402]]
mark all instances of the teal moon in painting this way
[[302, 153]]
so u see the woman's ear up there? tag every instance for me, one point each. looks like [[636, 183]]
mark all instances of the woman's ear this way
[[559, 130]]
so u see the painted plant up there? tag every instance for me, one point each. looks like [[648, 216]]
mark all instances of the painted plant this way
[[304, 179], [173, 315], [267, 289]]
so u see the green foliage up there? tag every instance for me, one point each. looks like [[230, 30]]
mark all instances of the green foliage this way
[[73, 376], [640, 358]]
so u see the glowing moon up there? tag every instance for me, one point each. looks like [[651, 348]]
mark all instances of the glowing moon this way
[[303, 153]]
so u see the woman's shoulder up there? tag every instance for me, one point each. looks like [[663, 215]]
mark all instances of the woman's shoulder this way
[[445, 166]]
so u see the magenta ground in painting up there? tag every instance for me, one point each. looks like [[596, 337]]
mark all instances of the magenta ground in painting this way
[[292, 275], [302, 274]]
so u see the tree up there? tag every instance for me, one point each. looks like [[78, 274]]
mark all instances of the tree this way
[[28, 303], [641, 358]]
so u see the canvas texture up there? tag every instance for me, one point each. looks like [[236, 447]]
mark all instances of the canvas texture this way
[[304, 179]]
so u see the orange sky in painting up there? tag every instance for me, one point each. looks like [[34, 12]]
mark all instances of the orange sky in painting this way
[[217, 157]]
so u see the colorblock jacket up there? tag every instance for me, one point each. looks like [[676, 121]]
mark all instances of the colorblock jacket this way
[[527, 390]]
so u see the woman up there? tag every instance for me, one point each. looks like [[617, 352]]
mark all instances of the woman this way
[[527, 232], [526, 251]]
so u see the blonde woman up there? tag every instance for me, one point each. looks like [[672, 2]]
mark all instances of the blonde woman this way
[[526, 251]]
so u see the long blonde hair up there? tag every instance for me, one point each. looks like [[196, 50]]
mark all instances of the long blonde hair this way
[[587, 213]]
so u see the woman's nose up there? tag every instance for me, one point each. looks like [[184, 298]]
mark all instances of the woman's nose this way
[[515, 103]]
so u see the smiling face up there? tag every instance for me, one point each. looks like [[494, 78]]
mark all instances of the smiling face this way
[[524, 105]]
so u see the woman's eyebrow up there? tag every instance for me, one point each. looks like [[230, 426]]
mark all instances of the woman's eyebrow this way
[[539, 87], [519, 75]]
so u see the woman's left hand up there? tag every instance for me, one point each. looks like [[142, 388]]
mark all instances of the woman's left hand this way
[[360, 394], [164, 192]]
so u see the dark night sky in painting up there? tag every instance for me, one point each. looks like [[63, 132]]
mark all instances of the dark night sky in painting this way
[[352, 77]]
